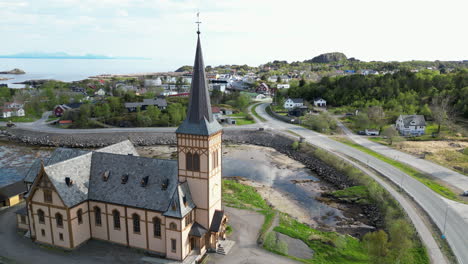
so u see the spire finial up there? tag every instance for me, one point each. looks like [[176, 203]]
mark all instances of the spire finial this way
[[198, 23]]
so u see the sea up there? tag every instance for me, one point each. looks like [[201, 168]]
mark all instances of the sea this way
[[68, 70]]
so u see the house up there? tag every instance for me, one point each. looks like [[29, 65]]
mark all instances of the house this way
[[158, 102], [262, 88], [11, 109], [216, 112], [411, 125], [153, 82], [372, 132], [291, 103], [12, 194], [254, 96], [100, 92], [77, 89], [282, 86], [170, 208], [226, 111], [298, 111], [319, 102], [59, 110]]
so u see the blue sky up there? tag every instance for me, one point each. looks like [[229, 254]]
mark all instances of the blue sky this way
[[238, 32]]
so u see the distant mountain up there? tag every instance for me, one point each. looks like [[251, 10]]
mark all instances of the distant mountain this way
[[63, 55]]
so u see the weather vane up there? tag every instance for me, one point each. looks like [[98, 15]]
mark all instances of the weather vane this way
[[198, 23]]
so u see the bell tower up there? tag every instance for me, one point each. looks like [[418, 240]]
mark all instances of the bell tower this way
[[199, 147]]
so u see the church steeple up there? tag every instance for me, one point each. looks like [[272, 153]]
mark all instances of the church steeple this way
[[199, 119]]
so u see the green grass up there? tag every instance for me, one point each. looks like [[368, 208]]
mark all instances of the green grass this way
[[229, 230], [52, 118], [254, 112], [357, 194], [426, 180], [328, 247], [19, 119], [241, 196], [244, 121]]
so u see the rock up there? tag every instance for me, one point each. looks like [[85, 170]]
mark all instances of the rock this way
[[328, 57], [14, 71]]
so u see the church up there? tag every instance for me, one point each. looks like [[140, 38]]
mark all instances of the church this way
[[171, 208]]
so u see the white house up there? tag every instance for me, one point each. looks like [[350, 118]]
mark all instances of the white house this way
[[411, 125], [293, 103], [12, 109], [319, 102], [100, 92], [282, 86], [153, 82]]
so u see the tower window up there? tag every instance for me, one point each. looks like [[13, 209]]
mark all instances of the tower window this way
[[192, 161], [79, 215], [157, 227], [40, 215], [59, 220], [48, 196]]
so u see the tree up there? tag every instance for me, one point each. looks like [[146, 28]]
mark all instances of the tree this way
[[391, 134], [400, 241], [425, 111], [242, 101], [377, 246], [376, 116], [153, 113], [362, 121], [440, 110]]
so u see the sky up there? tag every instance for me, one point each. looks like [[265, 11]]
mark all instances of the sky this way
[[249, 32]]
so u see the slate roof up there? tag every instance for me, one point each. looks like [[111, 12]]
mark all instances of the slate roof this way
[[151, 197], [418, 119], [297, 100], [180, 209], [197, 230], [217, 219], [22, 211], [12, 189], [199, 119], [62, 154], [157, 102]]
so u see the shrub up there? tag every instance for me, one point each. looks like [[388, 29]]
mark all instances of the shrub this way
[[295, 145]]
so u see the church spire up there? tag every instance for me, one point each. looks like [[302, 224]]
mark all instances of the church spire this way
[[199, 119]]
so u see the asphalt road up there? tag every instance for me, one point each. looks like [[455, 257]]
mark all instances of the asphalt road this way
[[446, 214]]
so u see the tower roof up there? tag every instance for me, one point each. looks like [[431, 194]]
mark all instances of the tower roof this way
[[199, 119]]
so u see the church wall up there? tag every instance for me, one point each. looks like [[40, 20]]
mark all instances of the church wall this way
[[136, 239], [46, 226], [185, 240], [201, 217], [80, 232], [31, 220], [117, 235], [157, 244], [98, 231], [21, 225], [39, 197], [173, 234], [64, 240], [199, 190]]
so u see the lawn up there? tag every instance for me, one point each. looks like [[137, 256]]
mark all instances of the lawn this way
[[19, 119], [244, 121], [426, 180]]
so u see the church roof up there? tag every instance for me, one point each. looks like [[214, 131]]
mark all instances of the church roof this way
[[199, 119], [181, 203]]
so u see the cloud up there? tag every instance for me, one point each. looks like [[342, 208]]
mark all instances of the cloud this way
[[122, 13]]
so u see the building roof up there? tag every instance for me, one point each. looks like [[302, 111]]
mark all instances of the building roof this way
[[199, 119], [297, 100], [160, 102], [417, 119], [22, 210], [12, 189], [181, 202], [197, 230], [153, 196], [217, 220], [215, 110]]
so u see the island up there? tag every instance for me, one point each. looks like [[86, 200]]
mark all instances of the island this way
[[14, 71]]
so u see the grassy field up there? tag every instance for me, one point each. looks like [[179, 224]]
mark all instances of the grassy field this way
[[19, 119], [426, 180], [244, 121], [254, 112]]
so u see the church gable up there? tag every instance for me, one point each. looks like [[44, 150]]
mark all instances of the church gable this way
[[43, 191]]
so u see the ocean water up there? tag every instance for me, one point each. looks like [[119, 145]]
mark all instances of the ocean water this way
[[73, 69]]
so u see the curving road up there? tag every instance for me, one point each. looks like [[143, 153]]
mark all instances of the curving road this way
[[451, 177], [437, 207]]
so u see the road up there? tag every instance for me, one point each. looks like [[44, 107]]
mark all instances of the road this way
[[437, 207], [451, 177]]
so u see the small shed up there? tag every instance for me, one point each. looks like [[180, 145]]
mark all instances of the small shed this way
[[12, 194]]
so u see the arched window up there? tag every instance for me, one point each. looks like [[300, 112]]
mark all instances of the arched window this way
[[189, 161], [59, 220], [157, 227], [40, 215], [172, 226], [97, 216], [79, 215], [136, 223], [116, 217], [196, 162]]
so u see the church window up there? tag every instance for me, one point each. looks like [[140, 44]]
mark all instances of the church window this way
[[42, 232], [136, 223], [48, 196], [173, 245], [157, 227], [61, 236], [40, 215], [23, 219], [116, 216], [172, 226], [188, 161], [79, 215], [59, 220], [192, 161], [189, 218], [97, 216]]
